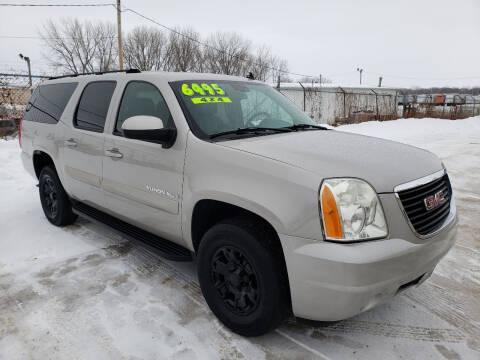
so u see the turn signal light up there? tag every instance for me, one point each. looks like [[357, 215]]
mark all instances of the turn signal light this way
[[331, 218]]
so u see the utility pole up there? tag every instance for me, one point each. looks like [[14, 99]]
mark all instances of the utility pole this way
[[27, 59], [320, 79], [119, 30], [360, 71], [380, 81]]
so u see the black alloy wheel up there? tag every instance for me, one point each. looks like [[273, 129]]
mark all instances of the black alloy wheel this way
[[50, 197], [235, 280], [55, 201], [243, 277]]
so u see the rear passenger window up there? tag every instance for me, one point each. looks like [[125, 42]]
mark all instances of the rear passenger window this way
[[47, 103], [93, 106], [142, 98]]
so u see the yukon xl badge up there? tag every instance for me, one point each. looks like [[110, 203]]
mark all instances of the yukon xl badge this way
[[432, 201], [159, 191]]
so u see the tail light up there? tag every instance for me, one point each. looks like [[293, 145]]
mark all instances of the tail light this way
[[20, 133]]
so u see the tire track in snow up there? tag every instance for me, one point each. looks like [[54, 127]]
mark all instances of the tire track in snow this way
[[147, 263], [417, 333], [192, 288], [442, 303]]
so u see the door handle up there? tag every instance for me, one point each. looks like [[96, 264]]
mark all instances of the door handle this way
[[114, 153], [70, 143]]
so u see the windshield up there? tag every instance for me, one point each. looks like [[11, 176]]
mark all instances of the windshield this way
[[216, 107]]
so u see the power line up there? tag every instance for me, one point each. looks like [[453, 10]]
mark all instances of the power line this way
[[199, 42], [55, 5], [51, 38], [210, 46], [19, 37], [159, 24]]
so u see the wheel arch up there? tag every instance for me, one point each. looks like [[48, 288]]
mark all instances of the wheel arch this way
[[40, 160], [208, 212]]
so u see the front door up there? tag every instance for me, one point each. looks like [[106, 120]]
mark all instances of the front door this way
[[142, 181], [82, 146]]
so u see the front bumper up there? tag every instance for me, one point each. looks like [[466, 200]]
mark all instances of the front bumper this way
[[330, 281]]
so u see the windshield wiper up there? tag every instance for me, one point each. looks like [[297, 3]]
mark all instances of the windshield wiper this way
[[251, 130], [298, 127]]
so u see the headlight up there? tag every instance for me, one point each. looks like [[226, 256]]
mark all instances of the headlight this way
[[351, 211]]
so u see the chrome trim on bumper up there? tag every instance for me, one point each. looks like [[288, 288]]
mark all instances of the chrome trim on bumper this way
[[422, 181]]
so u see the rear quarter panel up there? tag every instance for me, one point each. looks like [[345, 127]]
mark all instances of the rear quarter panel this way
[[38, 136]]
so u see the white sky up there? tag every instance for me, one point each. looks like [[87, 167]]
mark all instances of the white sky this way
[[410, 43]]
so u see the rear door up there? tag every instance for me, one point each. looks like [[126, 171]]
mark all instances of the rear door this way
[[82, 145], [142, 180]]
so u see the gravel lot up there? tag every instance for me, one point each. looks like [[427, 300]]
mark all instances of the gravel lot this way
[[82, 292]]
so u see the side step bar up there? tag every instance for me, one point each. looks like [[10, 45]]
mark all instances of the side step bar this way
[[165, 248]]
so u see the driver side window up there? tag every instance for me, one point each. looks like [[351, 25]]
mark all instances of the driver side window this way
[[142, 98], [257, 107]]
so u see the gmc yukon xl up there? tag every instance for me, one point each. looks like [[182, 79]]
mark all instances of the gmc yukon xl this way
[[282, 216]]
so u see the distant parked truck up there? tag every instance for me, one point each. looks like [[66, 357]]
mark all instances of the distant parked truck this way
[[445, 106], [439, 99]]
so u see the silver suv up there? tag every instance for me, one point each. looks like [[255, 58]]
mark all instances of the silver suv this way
[[282, 215]]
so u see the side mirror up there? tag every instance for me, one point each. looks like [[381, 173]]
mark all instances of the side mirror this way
[[149, 128]]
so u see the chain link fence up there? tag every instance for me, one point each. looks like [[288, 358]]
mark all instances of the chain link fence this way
[[342, 105], [339, 105], [15, 90], [332, 105]]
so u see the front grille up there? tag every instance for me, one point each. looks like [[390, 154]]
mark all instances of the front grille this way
[[413, 201]]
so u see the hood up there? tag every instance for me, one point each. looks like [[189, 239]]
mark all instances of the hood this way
[[383, 163]]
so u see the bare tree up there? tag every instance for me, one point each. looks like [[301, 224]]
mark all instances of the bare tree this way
[[106, 54], [260, 63], [227, 53], [185, 53], [279, 68], [146, 49], [77, 47], [80, 47]]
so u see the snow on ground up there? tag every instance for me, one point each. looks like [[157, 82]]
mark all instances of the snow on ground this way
[[82, 292]]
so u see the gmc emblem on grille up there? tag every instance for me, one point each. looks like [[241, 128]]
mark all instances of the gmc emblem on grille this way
[[433, 201]]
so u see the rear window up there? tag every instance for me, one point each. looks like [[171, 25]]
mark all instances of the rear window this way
[[47, 103], [93, 106]]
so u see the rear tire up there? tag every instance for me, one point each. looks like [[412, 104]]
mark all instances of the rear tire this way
[[243, 277], [55, 201]]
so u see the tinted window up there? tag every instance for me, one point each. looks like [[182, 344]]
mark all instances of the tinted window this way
[[93, 106], [142, 98], [48, 102]]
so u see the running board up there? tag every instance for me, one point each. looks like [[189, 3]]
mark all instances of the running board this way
[[165, 248]]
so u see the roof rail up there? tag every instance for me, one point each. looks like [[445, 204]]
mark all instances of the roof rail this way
[[127, 71]]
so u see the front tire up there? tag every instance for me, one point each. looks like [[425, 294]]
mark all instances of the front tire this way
[[55, 201], [243, 277]]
